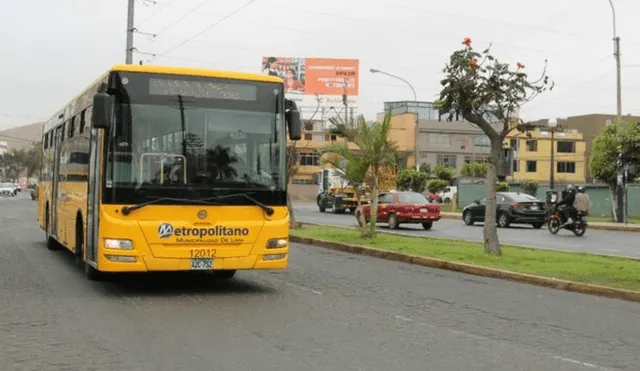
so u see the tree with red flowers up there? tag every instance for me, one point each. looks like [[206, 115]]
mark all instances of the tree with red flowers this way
[[489, 94]]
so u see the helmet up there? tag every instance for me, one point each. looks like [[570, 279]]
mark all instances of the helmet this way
[[570, 189], [581, 189]]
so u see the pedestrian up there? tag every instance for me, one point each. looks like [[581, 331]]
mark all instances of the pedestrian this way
[[582, 202]]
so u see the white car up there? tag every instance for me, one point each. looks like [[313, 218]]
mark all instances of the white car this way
[[7, 189]]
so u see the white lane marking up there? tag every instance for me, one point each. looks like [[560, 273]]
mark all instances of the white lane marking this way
[[403, 318], [585, 364], [484, 338], [298, 286]]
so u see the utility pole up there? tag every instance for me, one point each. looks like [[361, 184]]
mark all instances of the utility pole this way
[[183, 123], [130, 30], [621, 200], [620, 189], [346, 104]]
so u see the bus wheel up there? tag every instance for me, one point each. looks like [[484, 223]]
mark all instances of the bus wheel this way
[[51, 243], [90, 272], [224, 274]]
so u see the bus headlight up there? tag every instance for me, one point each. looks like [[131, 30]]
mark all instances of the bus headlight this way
[[277, 243], [116, 244]]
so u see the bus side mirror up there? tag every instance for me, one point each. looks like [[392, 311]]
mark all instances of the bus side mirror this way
[[292, 116], [102, 110]]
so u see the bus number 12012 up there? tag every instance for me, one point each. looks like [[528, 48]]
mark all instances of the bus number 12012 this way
[[203, 253]]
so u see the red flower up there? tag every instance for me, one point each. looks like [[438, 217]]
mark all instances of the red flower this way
[[466, 42], [520, 66], [474, 62]]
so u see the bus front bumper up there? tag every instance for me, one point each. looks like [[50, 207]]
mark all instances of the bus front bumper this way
[[119, 262]]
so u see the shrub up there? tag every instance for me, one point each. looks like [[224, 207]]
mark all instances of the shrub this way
[[412, 179], [503, 187], [530, 187], [437, 185]]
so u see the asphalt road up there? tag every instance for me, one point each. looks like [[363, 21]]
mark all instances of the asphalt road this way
[[593, 241], [328, 311]]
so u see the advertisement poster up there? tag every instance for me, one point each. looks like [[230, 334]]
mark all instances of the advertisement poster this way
[[308, 81]]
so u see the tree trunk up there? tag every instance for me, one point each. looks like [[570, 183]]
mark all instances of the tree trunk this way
[[362, 220], [292, 216], [619, 215], [614, 201], [374, 206], [290, 160], [491, 242]]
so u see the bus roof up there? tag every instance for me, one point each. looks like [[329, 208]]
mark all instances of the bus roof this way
[[189, 71], [54, 121]]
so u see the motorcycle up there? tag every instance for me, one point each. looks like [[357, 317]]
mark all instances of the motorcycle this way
[[578, 227]]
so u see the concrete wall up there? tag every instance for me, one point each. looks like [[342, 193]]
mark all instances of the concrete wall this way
[[600, 197]]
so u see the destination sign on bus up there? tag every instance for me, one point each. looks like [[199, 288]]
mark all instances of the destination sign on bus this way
[[203, 89]]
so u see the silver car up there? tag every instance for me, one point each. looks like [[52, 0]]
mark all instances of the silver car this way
[[7, 189]]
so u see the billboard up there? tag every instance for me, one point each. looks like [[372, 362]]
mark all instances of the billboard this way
[[307, 80]]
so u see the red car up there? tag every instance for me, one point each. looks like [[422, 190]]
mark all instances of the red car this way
[[397, 208], [433, 197]]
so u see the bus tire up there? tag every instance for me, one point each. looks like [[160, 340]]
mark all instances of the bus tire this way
[[51, 243], [90, 272], [224, 274]]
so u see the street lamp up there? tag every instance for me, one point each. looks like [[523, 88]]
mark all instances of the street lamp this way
[[553, 124], [415, 98]]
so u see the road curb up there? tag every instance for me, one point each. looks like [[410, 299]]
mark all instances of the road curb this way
[[620, 228], [476, 270]]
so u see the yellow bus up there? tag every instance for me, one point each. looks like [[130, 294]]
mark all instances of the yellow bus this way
[[170, 169]]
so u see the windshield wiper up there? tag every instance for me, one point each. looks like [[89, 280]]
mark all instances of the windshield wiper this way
[[126, 210], [267, 209]]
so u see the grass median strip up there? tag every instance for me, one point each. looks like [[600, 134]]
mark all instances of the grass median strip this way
[[578, 267]]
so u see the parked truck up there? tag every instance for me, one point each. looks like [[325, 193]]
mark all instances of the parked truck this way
[[336, 194]]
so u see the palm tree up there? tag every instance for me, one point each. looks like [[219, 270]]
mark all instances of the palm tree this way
[[354, 166], [221, 161], [372, 139]]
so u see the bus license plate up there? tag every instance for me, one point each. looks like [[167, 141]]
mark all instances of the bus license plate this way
[[201, 264]]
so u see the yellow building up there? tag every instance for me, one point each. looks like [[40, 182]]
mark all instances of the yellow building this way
[[532, 156], [309, 149]]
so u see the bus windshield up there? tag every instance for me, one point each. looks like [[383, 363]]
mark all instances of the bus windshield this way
[[196, 134]]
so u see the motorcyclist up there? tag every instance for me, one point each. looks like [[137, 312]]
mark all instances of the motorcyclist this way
[[582, 202], [565, 206]]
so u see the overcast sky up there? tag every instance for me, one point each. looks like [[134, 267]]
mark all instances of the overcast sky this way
[[54, 48]]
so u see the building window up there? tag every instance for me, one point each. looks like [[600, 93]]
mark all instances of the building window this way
[[532, 167], [481, 141], [514, 144], [442, 140], [532, 145], [514, 166], [309, 159], [423, 154], [566, 167], [469, 159], [307, 136], [447, 160], [566, 147], [319, 137]]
